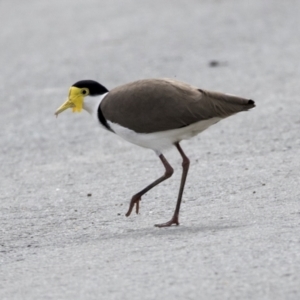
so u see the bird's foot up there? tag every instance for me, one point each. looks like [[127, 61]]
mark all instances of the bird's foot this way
[[174, 220], [135, 201]]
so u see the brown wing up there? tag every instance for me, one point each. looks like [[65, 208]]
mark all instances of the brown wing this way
[[154, 105]]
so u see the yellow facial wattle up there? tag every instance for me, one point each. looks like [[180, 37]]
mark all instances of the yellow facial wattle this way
[[76, 98]]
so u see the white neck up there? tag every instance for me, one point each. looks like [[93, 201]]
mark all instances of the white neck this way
[[91, 104]]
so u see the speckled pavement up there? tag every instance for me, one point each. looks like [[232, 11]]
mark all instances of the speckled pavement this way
[[239, 234]]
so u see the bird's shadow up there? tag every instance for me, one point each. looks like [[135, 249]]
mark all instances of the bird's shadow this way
[[170, 231]]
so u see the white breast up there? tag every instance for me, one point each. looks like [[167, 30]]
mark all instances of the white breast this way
[[162, 140]]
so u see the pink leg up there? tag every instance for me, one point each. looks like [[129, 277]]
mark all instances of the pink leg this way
[[135, 200], [185, 169]]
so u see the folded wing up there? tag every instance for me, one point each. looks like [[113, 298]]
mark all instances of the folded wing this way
[[154, 105]]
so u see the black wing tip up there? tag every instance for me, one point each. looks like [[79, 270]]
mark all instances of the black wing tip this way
[[251, 103]]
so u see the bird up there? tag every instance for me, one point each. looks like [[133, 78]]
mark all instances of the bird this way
[[156, 114]]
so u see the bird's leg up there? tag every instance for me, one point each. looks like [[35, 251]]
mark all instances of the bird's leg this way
[[135, 200], [185, 169]]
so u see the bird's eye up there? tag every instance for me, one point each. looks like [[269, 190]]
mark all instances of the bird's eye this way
[[85, 91]]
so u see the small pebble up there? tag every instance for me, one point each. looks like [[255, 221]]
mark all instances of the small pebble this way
[[89, 194], [214, 63]]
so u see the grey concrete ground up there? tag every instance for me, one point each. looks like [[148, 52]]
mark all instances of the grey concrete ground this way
[[239, 234]]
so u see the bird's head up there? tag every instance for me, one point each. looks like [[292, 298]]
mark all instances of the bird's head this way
[[77, 93]]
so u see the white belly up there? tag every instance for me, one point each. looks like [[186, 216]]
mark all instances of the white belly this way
[[161, 140]]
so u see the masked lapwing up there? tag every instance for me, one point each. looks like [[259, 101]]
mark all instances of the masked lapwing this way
[[154, 114]]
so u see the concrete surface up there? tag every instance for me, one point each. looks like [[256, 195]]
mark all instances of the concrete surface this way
[[239, 235]]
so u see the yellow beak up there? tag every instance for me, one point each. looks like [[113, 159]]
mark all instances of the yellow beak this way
[[75, 101]]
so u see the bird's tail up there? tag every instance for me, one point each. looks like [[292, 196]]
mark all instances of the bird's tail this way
[[226, 105], [248, 104]]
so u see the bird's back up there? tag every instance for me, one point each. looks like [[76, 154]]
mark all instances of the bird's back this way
[[154, 105]]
